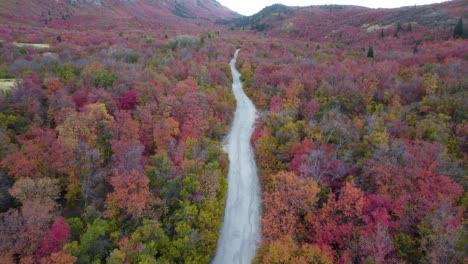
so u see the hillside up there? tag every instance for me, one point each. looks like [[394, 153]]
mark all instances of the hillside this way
[[351, 23], [80, 21], [82, 13]]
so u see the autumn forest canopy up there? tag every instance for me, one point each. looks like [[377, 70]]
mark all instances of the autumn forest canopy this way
[[113, 117]]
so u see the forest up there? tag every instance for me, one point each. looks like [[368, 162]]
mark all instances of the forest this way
[[111, 138]]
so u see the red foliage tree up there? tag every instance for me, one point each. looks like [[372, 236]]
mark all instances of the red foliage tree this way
[[338, 220], [191, 113], [291, 197], [131, 195], [128, 100], [55, 239], [276, 104], [410, 177], [40, 155], [22, 231], [126, 147], [166, 132]]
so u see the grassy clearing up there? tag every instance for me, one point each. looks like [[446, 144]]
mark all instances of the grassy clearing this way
[[7, 84], [371, 28], [33, 45]]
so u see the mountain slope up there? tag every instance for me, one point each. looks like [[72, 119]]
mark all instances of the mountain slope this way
[[60, 13], [335, 22]]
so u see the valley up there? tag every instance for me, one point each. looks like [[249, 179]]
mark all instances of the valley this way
[[336, 134]]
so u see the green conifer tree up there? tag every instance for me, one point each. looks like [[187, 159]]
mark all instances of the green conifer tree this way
[[399, 27], [458, 31], [409, 28], [370, 53]]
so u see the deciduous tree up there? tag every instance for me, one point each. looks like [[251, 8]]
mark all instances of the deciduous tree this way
[[131, 195], [40, 155], [55, 238], [339, 220], [290, 198]]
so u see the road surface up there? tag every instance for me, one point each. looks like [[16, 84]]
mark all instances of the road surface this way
[[240, 232]]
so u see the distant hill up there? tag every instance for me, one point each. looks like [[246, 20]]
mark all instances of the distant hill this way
[[337, 21], [261, 20], [65, 13]]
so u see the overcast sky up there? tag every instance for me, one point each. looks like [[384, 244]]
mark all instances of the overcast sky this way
[[249, 7]]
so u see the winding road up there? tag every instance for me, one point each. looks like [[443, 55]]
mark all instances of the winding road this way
[[240, 232]]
